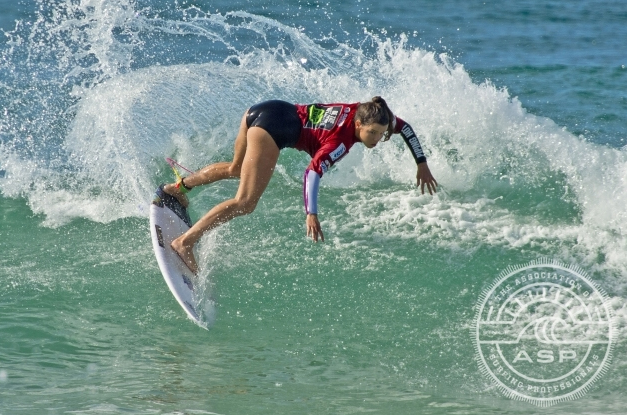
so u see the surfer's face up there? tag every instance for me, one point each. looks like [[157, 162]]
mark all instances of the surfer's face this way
[[369, 134]]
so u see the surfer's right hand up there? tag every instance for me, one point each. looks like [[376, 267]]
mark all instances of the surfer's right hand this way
[[172, 190], [313, 227]]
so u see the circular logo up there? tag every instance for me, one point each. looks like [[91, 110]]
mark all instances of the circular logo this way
[[543, 332]]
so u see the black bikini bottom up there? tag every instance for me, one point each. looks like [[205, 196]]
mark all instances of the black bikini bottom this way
[[279, 119]]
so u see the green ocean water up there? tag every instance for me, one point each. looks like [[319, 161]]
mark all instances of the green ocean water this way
[[88, 324], [380, 317]]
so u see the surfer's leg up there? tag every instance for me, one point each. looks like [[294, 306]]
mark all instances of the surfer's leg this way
[[217, 171], [256, 170], [223, 170]]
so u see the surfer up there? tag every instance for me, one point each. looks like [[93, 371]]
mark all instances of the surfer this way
[[325, 131]]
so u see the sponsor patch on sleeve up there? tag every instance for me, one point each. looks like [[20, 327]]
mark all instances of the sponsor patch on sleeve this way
[[338, 152]]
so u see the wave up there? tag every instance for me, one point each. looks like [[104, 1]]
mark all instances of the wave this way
[[98, 93]]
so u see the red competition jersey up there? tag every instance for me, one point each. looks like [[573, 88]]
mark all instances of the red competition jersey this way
[[329, 133]]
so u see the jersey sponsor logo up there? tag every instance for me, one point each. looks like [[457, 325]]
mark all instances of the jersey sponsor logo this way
[[411, 138], [340, 123], [407, 131], [338, 152], [322, 117], [415, 145]]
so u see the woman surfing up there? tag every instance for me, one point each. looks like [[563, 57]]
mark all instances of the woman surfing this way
[[325, 131]]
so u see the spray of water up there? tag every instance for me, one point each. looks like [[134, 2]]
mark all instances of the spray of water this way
[[97, 93]]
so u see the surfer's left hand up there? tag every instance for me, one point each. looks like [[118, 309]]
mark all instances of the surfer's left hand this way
[[425, 178]]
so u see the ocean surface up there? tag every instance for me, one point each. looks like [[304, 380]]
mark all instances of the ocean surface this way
[[521, 107]]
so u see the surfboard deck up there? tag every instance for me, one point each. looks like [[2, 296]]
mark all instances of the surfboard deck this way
[[168, 220]]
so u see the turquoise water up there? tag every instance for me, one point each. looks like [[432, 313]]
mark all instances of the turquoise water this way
[[521, 108]]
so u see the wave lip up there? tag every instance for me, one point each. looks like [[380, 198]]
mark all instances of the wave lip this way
[[106, 117]]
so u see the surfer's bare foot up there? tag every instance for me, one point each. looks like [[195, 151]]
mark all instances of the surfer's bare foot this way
[[173, 191], [186, 254]]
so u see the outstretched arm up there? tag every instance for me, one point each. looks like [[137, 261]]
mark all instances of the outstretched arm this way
[[424, 176], [310, 193]]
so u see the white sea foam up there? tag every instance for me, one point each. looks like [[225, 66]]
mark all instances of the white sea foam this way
[[480, 141]]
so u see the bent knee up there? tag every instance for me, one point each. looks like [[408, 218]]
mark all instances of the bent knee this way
[[235, 170], [246, 206]]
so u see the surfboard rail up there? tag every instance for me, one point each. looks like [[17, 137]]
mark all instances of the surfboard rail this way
[[168, 220]]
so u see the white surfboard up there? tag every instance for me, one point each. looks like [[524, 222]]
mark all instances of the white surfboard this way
[[168, 220]]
